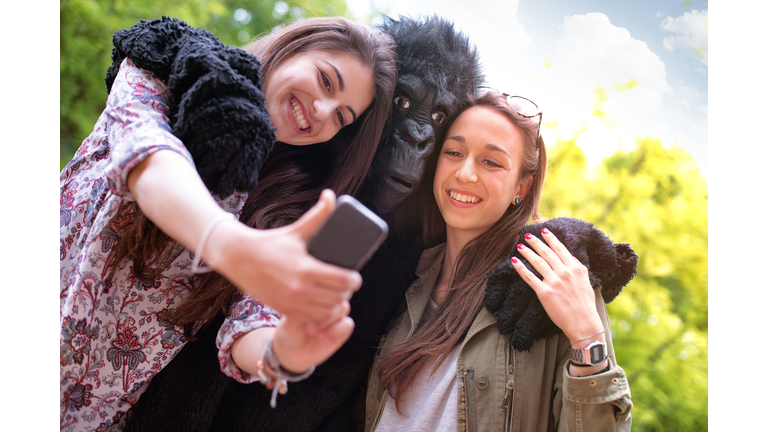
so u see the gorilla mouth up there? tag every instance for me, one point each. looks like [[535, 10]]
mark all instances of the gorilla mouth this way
[[399, 184]]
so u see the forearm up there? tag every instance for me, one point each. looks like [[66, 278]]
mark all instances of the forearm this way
[[249, 348], [171, 194], [295, 349]]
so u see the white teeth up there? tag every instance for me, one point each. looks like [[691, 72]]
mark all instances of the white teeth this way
[[298, 115], [463, 198]]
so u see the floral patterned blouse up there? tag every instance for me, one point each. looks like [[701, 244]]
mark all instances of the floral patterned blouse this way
[[114, 337]]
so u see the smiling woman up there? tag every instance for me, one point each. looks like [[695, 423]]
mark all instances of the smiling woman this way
[[309, 98], [446, 363], [184, 147], [478, 173]]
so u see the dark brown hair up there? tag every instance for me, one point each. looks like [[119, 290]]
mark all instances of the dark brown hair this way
[[292, 176], [445, 328]]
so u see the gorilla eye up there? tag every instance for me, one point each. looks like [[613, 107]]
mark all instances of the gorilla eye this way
[[438, 117], [402, 102]]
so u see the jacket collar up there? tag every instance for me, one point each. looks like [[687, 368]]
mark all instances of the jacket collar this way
[[430, 258], [418, 294]]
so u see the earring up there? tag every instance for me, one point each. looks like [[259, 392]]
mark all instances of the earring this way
[[517, 201]]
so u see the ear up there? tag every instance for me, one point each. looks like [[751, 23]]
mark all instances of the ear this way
[[523, 187]]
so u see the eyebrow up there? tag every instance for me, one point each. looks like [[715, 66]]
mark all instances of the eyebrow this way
[[493, 147], [341, 88], [458, 138]]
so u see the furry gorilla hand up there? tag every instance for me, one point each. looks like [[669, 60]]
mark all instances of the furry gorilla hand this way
[[519, 313]]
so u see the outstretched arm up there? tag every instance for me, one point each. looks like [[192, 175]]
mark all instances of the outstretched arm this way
[[151, 165], [271, 265]]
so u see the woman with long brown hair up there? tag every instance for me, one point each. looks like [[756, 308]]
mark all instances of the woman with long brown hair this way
[[143, 211], [444, 363]]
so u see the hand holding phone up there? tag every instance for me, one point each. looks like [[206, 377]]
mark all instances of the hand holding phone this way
[[350, 235]]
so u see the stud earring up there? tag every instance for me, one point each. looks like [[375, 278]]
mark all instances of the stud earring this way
[[517, 201]]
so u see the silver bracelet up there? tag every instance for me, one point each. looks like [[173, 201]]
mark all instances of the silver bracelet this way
[[274, 376], [196, 267]]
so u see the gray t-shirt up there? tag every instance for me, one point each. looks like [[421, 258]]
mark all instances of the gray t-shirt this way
[[431, 403]]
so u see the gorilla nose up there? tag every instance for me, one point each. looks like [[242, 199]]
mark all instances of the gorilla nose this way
[[416, 136]]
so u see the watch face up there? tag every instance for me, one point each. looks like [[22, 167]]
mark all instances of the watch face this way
[[596, 353]]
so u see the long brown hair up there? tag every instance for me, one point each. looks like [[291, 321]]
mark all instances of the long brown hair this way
[[292, 176], [445, 328]]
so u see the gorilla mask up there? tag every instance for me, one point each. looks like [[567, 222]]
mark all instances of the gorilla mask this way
[[439, 69]]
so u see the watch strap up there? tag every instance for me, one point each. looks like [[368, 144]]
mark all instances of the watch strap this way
[[592, 354]]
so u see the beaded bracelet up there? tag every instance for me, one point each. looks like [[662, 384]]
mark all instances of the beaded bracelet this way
[[274, 376]]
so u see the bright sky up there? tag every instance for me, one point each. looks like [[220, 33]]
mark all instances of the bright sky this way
[[649, 57]]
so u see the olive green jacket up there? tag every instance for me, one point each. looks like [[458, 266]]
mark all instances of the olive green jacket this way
[[501, 389]]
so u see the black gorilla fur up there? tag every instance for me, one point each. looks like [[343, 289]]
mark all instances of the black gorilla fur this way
[[192, 394], [519, 312], [216, 98]]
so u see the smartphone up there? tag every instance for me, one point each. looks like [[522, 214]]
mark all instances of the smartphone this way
[[350, 235]]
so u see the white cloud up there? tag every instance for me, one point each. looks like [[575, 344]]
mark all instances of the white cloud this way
[[690, 34], [688, 96], [590, 52], [492, 26]]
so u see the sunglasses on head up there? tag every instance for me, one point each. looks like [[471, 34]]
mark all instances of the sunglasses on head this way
[[524, 107]]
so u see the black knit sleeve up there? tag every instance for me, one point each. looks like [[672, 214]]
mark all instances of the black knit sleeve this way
[[216, 98]]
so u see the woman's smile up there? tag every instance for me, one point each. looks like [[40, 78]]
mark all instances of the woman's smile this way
[[298, 110], [463, 199]]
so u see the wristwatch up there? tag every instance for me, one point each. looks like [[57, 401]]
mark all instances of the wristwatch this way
[[593, 354]]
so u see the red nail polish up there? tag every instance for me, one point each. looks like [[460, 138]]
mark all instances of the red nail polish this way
[[514, 260], [520, 246], [545, 231], [528, 236]]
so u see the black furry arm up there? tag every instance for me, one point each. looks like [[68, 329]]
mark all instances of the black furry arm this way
[[216, 98], [518, 311]]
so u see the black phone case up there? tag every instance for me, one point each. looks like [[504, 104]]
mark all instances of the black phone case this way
[[350, 235]]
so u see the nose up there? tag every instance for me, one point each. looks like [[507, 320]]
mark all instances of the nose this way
[[323, 108], [420, 137], [466, 172]]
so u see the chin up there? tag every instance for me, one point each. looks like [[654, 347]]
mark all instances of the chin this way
[[387, 196]]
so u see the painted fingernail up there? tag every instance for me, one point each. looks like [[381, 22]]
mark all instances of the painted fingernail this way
[[520, 246], [514, 260], [545, 231], [528, 236]]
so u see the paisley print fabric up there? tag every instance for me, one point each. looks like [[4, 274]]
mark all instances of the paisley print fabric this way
[[114, 335]]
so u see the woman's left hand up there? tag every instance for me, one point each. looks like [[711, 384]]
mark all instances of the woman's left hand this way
[[565, 291]]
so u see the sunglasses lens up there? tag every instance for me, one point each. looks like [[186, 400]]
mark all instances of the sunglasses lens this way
[[523, 106]]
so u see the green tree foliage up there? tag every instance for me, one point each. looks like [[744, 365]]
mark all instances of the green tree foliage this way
[[87, 27], [655, 199]]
